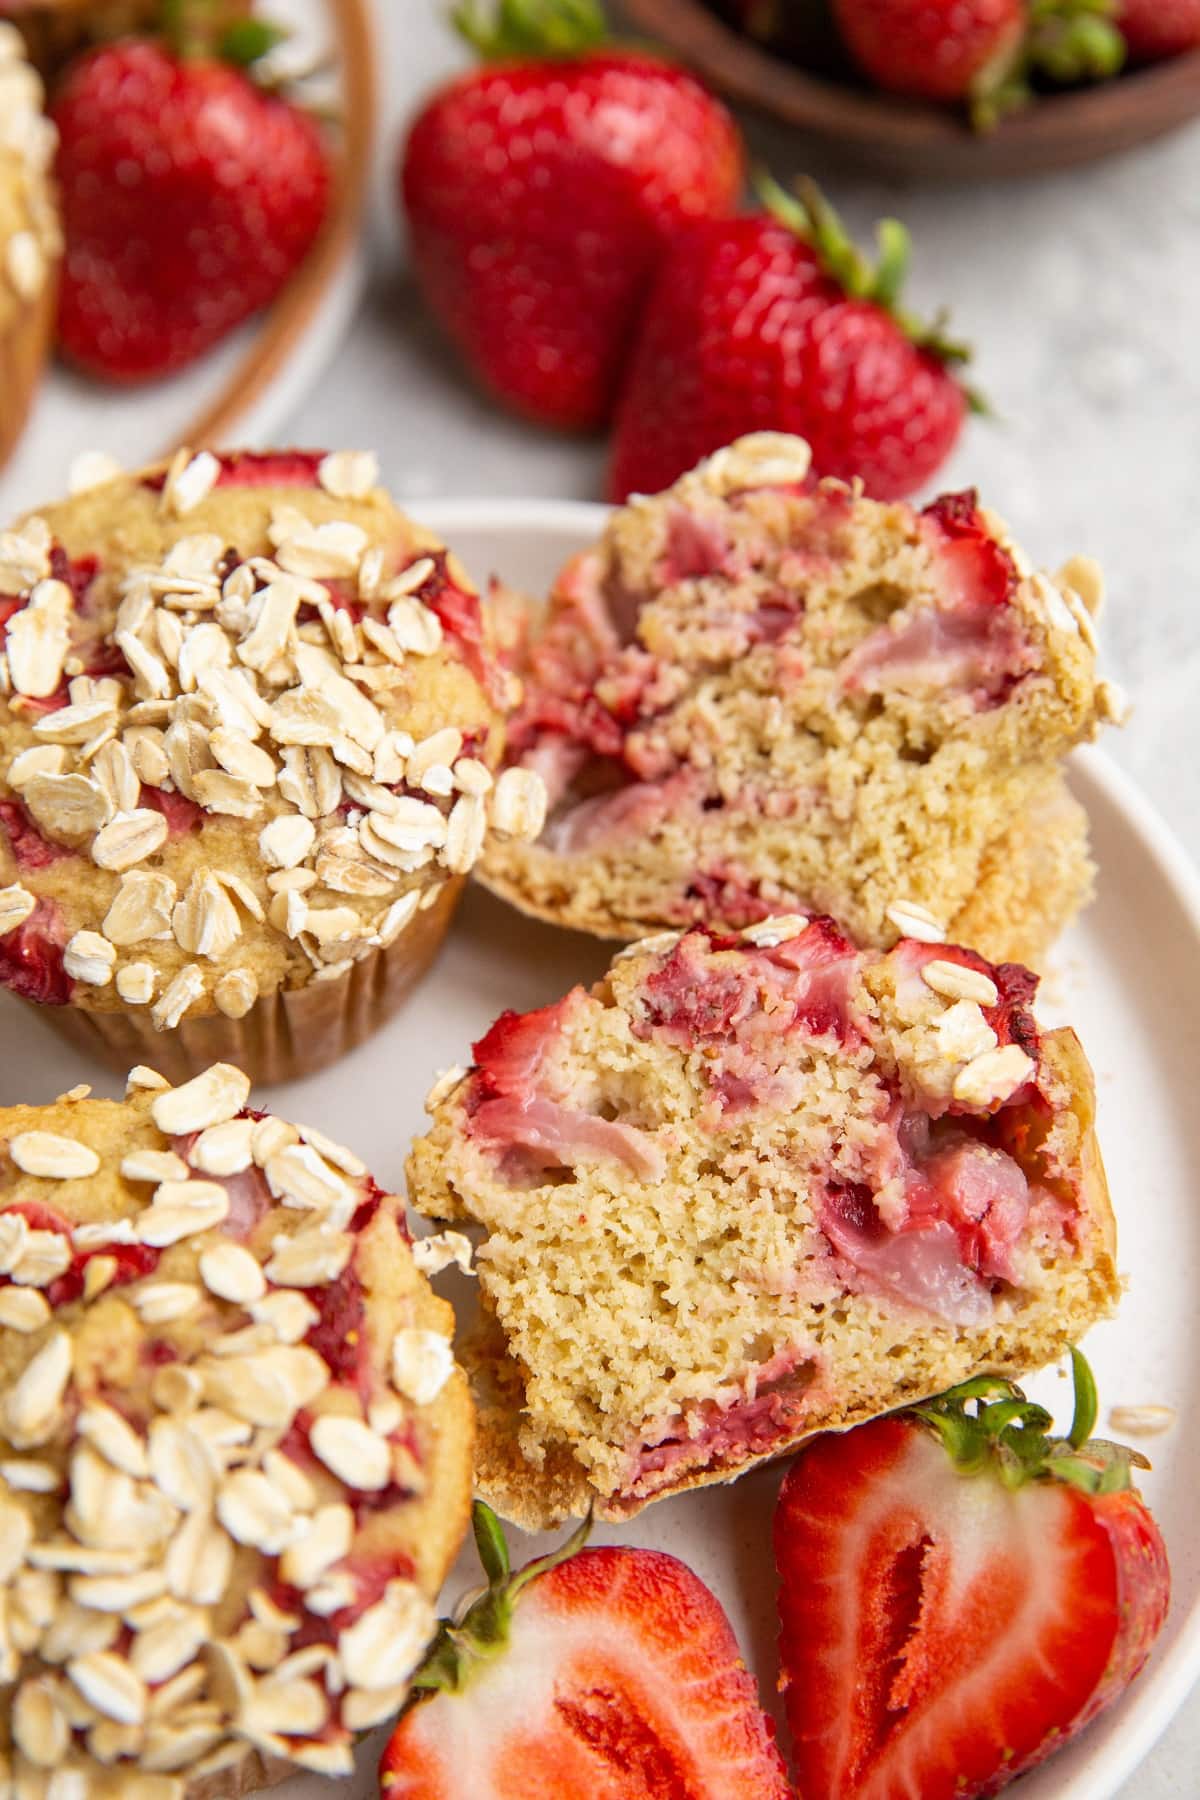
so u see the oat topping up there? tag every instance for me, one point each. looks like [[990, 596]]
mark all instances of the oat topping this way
[[994, 1076], [264, 692], [117, 1638], [955, 981], [915, 921]]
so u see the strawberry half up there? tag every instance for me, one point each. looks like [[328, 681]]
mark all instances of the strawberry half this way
[[960, 1593], [606, 1674]]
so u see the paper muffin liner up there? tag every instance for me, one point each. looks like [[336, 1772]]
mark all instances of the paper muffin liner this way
[[286, 1034], [24, 347]]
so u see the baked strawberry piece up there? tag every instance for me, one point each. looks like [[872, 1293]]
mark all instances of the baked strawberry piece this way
[[751, 1186], [961, 1593], [588, 1673], [758, 693]]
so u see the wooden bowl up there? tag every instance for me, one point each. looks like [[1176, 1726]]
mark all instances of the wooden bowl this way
[[222, 399], [907, 138], [287, 320]]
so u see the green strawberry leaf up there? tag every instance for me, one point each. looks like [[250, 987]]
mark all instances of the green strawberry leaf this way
[[517, 28]]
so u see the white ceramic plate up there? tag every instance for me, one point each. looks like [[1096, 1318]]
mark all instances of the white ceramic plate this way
[[136, 425], [1128, 977]]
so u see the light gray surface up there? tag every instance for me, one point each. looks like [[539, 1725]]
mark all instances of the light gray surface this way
[[1078, 290]]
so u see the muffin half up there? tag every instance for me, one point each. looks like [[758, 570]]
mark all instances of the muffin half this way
[[235, 1451], [752, 1187], [247, 738], [756, 693]]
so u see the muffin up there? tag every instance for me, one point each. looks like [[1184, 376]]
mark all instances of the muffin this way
[[235, 1451], [759, 694], [30, 240], [246, 752], [752, 1187]]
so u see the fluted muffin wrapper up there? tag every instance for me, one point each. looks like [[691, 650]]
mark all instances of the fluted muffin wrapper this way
[[287, 1034], [24, 347]]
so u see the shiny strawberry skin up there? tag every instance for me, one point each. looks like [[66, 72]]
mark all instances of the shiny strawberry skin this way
[[1154, 29], [940, 1632], [189, 198], [930, 49], [540, 196], [621, 1681], [744, 332]]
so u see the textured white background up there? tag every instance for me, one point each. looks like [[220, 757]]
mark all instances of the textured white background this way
[[1079, 292]]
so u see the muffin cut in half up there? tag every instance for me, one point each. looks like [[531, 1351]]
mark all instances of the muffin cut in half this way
[[235, 1451], [30, 237], [758, 694], [752, 1187], [249, 716]]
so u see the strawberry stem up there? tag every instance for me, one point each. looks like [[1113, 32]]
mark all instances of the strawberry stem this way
[[483, 1630], [813, 218], [517, 28], [1067, 41], [1009, 1436]]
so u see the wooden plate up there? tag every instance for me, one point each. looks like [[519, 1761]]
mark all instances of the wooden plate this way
[[244, 388], [906, 138]]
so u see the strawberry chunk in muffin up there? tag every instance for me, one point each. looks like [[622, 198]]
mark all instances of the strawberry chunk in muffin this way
[[752, 1186], [758, 692]]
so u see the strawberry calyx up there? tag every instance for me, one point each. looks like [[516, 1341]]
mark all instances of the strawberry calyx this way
[[480, 1631], [812, 218], [499, 29], [222, 30], [1010, 1437], [1066, 41]]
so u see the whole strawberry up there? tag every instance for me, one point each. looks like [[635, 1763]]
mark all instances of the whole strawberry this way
[[774, 322], [189, 198], [606, 1674], [960, 1593], [541, 192], [981, 52], [933, 49], [1154, 29]]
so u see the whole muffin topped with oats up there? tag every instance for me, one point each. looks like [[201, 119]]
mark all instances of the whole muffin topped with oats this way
[[30, 238], [235, 1451], [249, 722], [758, 692]]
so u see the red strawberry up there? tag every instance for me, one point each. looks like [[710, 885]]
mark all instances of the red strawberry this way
[[960, 1594], [606, 1674], [774, 322], [1153, 29], [933, 49], [542, 190], [981, 51], [189, 198], [31, 957]]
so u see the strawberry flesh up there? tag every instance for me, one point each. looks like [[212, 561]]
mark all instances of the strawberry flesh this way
[[621, 1680], [29, 848], [31, 957], [942, 1633]]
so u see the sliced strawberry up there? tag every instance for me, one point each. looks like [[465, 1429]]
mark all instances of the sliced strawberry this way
[[608, 1674], [959, 1594], [31, 957], [510, 1052]]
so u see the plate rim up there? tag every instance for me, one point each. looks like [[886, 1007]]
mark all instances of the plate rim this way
[[1149, 1708]]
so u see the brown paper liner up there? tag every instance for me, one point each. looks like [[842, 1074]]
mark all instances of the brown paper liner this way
[[23, 351], [285, 1035]]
